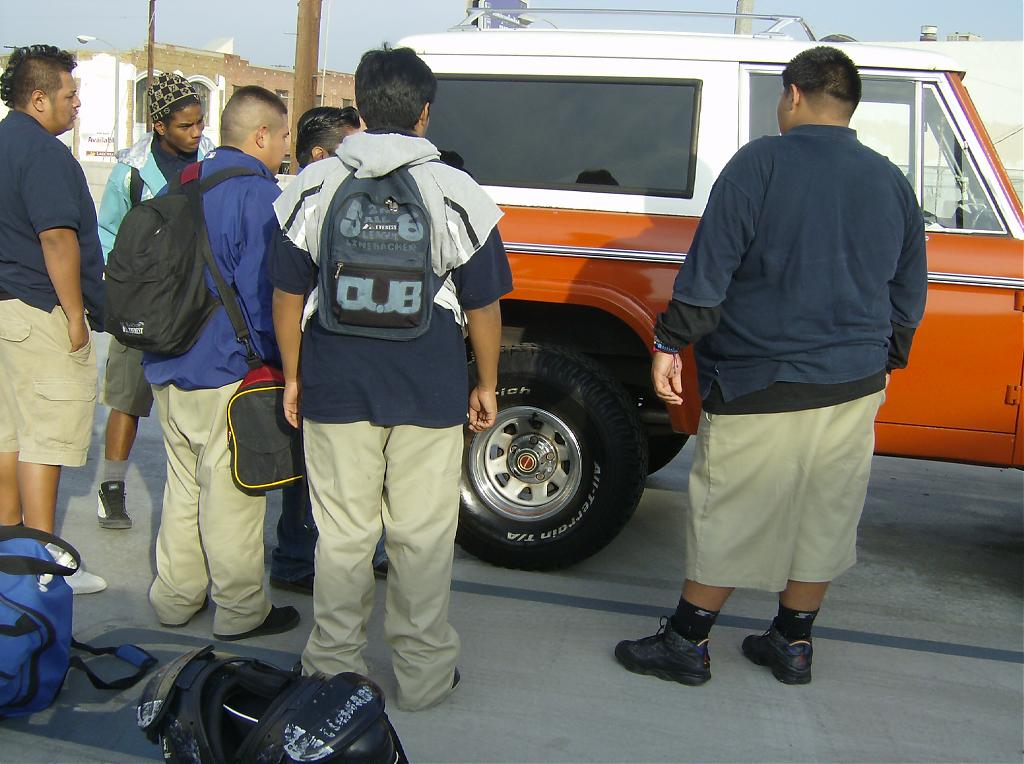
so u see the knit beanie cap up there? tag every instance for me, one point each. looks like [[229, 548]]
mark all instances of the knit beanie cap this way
[[167, 92]]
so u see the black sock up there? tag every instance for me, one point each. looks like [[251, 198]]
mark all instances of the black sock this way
[[794, 624], [692, 622]]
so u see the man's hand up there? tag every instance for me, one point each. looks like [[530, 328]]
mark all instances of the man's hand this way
[[292, 393], [483, 408], [78, 332], [667, 376]]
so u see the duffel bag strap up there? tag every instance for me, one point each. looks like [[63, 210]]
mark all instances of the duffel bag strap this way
[[130, 654], [20, 565], [400, 755]]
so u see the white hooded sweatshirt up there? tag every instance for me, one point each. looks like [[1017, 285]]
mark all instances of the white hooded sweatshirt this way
[[461, 213]]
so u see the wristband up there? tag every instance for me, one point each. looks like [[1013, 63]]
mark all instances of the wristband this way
[[661, 347]]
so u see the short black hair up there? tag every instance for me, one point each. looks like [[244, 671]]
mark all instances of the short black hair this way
[[233, 126], [323, 126], [824, 70], [31, 68], [392, 87]]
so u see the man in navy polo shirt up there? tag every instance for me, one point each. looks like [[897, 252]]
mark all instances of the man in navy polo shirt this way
[[51, 292], [207, 524], [800, 292]]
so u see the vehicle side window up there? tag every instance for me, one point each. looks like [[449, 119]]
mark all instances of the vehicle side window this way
[[597, 135], [952, 195], [883, 120], [765, 90]]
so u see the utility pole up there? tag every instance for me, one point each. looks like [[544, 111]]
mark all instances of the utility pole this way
[[744, 26], [149, 53], [307, 54]]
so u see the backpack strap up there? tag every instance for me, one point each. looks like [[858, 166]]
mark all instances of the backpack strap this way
[[219, 177], [130, 654], [194, 191], [135, 186], [20, 565]]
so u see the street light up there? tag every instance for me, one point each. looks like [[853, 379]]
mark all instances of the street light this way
[[85, 39]]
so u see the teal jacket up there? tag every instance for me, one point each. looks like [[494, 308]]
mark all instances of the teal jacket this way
[[116, 196]]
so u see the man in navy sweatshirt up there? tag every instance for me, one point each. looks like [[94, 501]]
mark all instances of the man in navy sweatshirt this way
[[800, 294]]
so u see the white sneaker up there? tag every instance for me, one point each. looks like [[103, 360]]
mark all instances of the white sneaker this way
[[81, 581], [84, 582]]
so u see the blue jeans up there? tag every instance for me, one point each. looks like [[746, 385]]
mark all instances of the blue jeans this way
[[292, 559]]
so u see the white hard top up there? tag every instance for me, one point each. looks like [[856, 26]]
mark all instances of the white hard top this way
[[681, 46]]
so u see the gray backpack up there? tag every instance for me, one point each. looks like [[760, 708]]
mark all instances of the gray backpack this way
[[376, 278]]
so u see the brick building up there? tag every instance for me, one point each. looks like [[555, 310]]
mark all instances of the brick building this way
[[215, 73]]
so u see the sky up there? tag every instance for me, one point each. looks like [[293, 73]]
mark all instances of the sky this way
[[264, 30]]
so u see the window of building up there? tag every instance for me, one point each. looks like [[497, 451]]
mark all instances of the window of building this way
[[598, 135], [142, 100], [204, 97]]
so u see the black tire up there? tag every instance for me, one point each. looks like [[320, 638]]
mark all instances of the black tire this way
[[662, 449], [575, 437]]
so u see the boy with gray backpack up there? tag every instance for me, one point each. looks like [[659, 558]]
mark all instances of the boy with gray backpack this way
[[404, 253]]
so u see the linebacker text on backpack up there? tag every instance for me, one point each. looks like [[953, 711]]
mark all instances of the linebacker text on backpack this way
[[157, 297], [35, 625], [376, 278], [202, 708]]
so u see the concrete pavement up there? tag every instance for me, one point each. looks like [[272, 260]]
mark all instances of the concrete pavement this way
[[918, 651]]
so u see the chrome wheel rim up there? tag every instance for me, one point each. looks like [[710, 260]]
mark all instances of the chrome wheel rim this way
[[527, 466]]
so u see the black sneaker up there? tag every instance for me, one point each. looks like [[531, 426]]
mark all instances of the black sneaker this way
[[111, 511], [790, 662], [278, 620], [302, 585], [667, 655]]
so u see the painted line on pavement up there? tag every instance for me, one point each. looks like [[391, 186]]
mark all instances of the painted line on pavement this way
[[755, 624]]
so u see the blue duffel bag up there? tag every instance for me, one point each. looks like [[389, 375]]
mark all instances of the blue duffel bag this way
[[35, 625]]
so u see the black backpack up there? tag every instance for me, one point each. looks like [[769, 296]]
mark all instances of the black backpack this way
[[157, 298], [205, 708], [376, 278]]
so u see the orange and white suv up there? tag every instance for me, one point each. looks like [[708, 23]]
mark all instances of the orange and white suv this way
[[601, 147]]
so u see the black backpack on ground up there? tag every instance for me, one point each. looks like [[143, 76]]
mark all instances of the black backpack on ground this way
[[376, 278], [157, 298], [205, 708]]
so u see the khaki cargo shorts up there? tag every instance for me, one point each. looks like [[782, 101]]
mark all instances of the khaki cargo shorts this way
[[124, 385], [47, 393], [777, 497]]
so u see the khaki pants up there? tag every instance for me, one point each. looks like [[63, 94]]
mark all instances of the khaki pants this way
[[47, 393], [777, 497], [417, 470], [206, 520]]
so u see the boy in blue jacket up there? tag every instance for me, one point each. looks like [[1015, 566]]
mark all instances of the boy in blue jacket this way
[[211, 534]]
